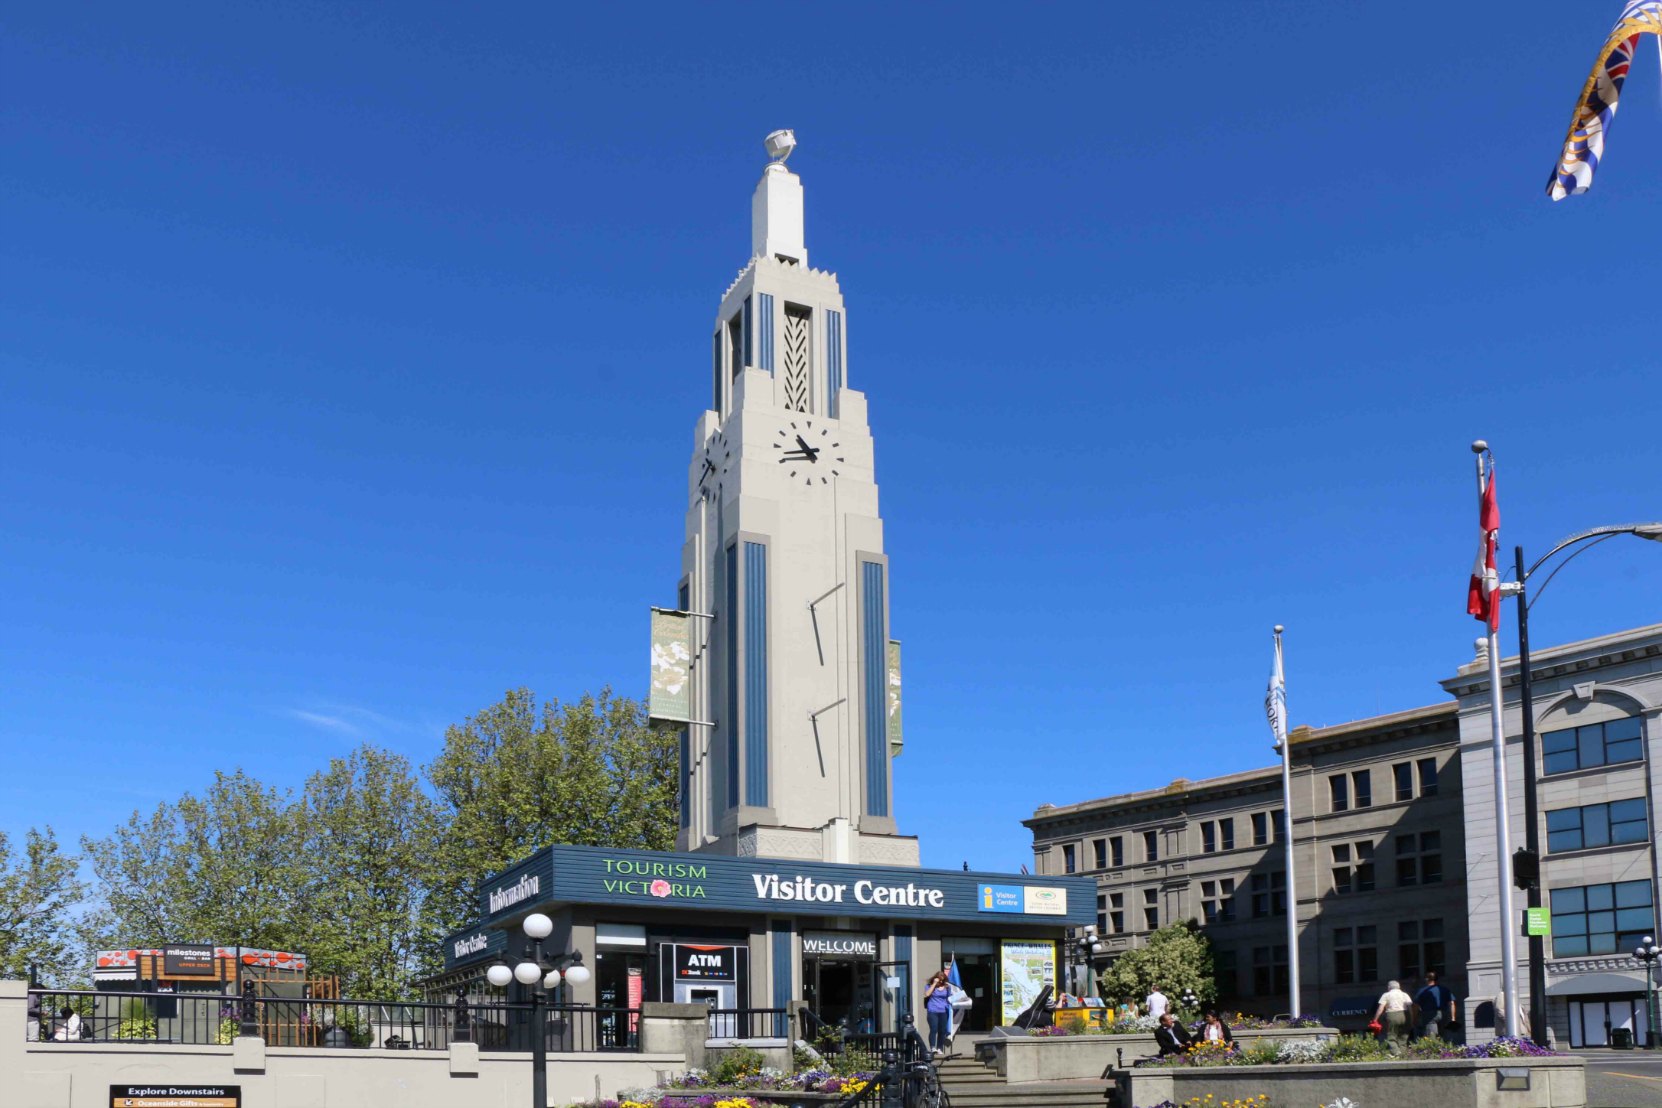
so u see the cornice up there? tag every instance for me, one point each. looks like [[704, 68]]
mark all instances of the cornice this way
[[1602, 652]]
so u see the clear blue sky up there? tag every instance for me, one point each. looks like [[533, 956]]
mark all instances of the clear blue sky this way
[[352, 353]]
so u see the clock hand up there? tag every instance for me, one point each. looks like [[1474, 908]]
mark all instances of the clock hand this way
[[806, 449]]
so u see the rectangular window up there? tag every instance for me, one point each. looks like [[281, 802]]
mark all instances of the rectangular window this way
[[735, 345], [1353, 867], [833, 360], [1116, 913], [1116, 851], [1403, 774], [874, 646], [764, 330], [1593, 825], [1428, 776], [1278, 824], [1260, 828], [756, 674], [1218, 900], [1269, 894], [1208, 837], [1102, 913], [1269, 970], [1601, 919], [1151, 846], [1099, 848], [1419, 858], [715, 357], [1226, 834], [1068, 862], [1419, 948], [1338, 793], [1151, 909], [1355, 954], [1597, 744], [1361, 787]]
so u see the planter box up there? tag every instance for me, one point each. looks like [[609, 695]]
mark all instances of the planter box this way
[[1026, 1058], [1457, 1083]]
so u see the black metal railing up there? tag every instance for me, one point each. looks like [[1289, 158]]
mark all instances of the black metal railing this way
[[749, 1023], [209, 1019], [900, 1084]]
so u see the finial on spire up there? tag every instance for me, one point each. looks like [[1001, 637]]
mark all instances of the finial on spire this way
[[780, 144]]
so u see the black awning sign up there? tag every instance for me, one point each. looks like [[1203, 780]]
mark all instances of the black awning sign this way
[[188, 958], [705, 963], [175, 1096]]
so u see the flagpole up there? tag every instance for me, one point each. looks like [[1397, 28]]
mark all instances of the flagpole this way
[[1287, 836], [1503, 833]]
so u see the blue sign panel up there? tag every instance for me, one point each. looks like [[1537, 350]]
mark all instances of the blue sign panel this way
[[1001, 898], [598, 875]]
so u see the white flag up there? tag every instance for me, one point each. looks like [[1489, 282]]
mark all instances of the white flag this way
[[1275, 700]]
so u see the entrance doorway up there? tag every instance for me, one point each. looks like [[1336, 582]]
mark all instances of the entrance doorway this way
[[980, 978], [1592, 1020], [839, 993]]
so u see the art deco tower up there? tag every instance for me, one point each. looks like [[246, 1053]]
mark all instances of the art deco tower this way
[[784, 549]]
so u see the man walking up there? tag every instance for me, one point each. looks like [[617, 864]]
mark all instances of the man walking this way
[[1396, 1008], [1437, 1008]]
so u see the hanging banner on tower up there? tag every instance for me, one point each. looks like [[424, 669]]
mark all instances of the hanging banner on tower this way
[[671, 695], [895, 741]]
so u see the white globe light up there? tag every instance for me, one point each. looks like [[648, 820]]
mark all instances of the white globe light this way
[[552, 980], [499, 975], [528, 973], [538, 926], [578, 974]]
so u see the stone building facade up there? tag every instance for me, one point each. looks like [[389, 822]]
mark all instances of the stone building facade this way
[[1379, 863]]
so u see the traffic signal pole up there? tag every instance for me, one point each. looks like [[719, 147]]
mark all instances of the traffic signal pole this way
[[1532, 819]]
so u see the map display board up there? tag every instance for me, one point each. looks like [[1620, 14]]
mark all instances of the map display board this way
[[1025, 968]]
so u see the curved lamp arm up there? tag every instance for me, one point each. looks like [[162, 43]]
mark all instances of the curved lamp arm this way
[[1651, 531]]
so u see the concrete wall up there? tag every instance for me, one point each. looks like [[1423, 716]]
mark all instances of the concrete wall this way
[[1025, 1058], [1466, 1083], [79, 1075]]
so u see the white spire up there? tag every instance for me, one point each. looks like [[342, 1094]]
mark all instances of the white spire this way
[[776, 206]]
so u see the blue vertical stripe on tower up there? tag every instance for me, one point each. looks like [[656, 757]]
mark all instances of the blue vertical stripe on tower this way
[[746, 327], [873, 645], [833, 360], [731, 724], [764, 329], [756, 674], [783, 964], [686, 777]]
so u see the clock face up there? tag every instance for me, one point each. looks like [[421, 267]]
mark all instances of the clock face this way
[[718, 460], [808, 454]]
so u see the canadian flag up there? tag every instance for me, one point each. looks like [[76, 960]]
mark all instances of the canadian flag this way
[[1483, 594]]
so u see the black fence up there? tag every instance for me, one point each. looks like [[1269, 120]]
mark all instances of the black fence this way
[[749, 1023], [214, 1019], [901, 1084]]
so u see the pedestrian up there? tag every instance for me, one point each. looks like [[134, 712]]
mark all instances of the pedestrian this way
[[1157, 1004], [1171, 1037], [69, 1031], [1438, 1011], [31, 1030], [1214, 1030], [1395, 1012], [937, 1005]]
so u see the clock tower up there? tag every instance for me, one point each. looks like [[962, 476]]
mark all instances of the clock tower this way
[[795, 684]]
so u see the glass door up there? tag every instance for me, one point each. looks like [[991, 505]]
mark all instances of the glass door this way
[[888, 994]]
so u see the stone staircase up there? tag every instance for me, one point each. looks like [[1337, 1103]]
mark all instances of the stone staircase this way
[[972, 1084]]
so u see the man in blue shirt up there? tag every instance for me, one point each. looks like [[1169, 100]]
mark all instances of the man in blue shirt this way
[[1437, 1007]]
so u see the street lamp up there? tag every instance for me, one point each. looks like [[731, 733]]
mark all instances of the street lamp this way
[[1648, 953], [1088, 947], [1530, 879], [529, 972]]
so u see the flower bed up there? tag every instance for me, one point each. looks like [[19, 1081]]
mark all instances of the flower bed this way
[[1524, 1081], [1023, 1058], [1146, 1025], [1348, 1048], [700, 1089]]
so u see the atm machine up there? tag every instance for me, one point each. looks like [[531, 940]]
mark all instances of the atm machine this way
[[709, 974]]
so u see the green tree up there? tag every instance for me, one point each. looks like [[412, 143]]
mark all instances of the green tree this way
[[1176, 958], [38, 892], [513, 779], [368, 831], [225, 867]]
